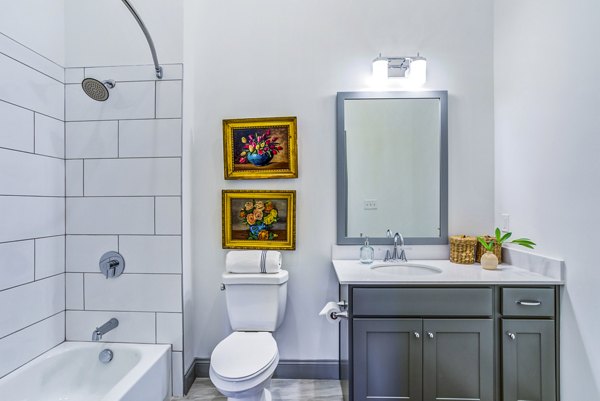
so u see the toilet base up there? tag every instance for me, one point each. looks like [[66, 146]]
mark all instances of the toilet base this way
[[265, 395]]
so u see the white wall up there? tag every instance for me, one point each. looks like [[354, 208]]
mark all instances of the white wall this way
[[37, 24], [547, 166], [32, 205], [269, 58], [105, 33]]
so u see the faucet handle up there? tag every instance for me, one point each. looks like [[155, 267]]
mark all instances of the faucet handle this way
[[388, 233]]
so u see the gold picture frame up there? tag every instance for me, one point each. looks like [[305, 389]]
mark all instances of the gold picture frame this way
[[259, 219], [260, 148]]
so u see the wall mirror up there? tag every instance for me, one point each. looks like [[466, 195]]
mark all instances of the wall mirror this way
[[392, 166]]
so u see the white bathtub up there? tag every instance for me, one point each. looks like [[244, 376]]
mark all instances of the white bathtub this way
[[72, 372]]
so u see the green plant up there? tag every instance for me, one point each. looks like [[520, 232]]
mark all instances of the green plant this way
[[500, 239]]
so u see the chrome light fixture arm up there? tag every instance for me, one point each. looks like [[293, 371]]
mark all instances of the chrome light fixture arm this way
[[157, 67]]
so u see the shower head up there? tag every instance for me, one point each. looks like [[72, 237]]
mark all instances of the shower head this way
[[97, 90]]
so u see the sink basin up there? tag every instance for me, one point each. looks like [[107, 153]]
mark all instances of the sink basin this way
[[406, 269]]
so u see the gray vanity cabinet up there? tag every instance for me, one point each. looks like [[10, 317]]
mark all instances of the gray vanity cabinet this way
[[479, 343], [458, 359], [528, 355], [528, 360], [387, 352], [423, 359], [422, 344]]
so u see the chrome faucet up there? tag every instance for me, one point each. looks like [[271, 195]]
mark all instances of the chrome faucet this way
[[105, 328], [398, 253]]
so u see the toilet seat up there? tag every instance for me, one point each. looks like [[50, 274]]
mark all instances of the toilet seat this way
[[244, 355]]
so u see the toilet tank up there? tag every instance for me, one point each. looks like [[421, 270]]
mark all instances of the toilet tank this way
[[256, 302]]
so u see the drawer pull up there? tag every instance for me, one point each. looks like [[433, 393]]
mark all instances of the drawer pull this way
[[529, 303], [510, 335]]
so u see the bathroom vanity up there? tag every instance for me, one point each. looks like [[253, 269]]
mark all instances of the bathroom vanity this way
[[428, 329], [454, 333]]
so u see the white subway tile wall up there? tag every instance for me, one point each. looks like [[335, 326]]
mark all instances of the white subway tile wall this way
[[32, 205], [123, 183], [79, 178]]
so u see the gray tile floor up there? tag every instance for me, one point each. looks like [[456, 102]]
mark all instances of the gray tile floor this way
[[281, 389]]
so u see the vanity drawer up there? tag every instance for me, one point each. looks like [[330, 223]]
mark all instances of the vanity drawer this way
[[422, 302], [528, 302]]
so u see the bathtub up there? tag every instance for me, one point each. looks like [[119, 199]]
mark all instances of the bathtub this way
[[72, 372]]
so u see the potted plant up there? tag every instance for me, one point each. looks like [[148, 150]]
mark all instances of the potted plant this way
[[489, 260]]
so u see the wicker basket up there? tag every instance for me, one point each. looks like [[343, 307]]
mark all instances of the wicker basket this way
[[481, 250], [462, 249]]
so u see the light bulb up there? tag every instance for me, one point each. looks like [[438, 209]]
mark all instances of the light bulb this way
[[417, 72], [380, 69]]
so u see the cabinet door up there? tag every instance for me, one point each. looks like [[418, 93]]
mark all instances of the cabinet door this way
[[458, 360], [528, 360], [387, 360]]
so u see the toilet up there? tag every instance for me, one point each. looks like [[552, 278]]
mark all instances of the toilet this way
[[242, 364]]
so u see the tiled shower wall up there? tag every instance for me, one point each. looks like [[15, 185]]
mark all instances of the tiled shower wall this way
[[123, 193], [32, 205]]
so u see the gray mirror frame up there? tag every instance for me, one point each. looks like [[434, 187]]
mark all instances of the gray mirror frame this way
[[342, 179]]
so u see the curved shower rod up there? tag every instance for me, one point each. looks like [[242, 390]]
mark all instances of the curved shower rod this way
[[157, 67]]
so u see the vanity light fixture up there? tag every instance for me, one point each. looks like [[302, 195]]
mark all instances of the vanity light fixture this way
[[413, 69]]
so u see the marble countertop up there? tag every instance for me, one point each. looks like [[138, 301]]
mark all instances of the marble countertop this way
[[531, 270]]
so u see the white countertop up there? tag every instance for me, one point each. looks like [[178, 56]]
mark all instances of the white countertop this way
[[353, 272]]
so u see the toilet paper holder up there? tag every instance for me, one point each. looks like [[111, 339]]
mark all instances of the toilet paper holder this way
[[341, 315], [338, 315]]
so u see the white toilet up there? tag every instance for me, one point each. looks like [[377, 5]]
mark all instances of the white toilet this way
[[241, 365]]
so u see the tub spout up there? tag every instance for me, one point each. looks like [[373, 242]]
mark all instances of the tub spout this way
[[105, 328]]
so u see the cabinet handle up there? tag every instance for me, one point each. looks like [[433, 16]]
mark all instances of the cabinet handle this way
[[429, 334], [529, 303], [510, 335], [417, 335]]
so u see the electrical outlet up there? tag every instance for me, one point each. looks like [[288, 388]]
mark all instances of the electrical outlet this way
[[370, 204], [505, 219]]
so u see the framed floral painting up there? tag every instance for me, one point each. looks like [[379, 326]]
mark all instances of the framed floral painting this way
[[259, 220], [258, 148]]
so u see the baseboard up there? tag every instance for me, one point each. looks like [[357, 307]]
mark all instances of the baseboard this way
[[189, 377], [286, 369]]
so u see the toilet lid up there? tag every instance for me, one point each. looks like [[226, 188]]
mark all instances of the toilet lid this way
[[243, 354]]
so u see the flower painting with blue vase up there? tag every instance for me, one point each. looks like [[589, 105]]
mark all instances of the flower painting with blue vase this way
[[260, 148], [259, 219], [259, 216]]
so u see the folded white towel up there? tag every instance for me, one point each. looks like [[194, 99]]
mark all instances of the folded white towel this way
[[253, 262]]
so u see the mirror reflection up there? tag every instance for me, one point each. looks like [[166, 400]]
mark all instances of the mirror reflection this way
[[394, 167]]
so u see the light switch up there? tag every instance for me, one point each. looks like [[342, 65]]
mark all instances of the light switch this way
[[505, 218]]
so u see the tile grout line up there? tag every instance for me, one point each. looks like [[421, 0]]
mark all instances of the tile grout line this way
[[33, 51], [34, 238], [111, 158], [33, 68], [32, 324], [31, 153], [47, 277], [33, 111]]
